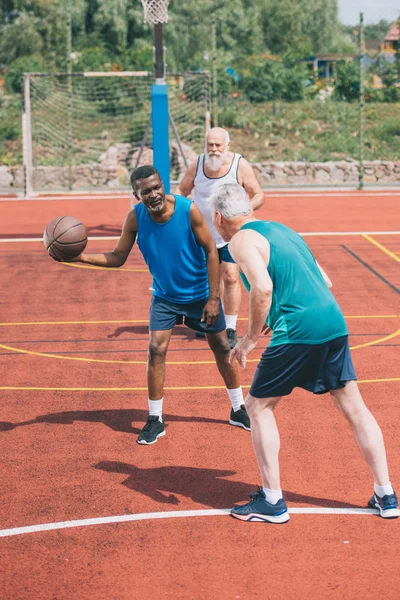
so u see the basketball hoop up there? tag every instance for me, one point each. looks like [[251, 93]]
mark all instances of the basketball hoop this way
[[155, 11]]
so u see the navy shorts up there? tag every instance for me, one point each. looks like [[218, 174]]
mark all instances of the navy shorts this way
[[317, 368], [165, 315], [225, 255]]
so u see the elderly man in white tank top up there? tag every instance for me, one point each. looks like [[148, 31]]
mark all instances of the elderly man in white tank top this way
[[217, 166]]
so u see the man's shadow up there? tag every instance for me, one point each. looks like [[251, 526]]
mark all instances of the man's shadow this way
[[107, 229], [118, 419], [182, 330], [203, 486]]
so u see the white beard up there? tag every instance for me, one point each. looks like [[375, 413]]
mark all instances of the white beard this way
[[214, 163]]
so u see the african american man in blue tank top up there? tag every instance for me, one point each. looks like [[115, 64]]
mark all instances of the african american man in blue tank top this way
[[183, 260]]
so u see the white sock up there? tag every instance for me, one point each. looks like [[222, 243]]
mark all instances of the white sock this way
[[272, 496], [236, 398], [230, 321], [155, 407], [383, 490]]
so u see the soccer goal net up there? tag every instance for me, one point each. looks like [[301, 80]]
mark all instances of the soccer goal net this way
[[86, 131]]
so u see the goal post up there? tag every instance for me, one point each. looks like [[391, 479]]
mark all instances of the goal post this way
[[95, 127]]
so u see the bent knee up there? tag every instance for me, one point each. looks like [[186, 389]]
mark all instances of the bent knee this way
[[231, 277], [157, 352]]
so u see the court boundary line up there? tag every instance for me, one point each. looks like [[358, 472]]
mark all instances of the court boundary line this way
[[144, 389], [116, 321], [381, 247], [371, 269], [90, 360], [169, 515], [304, 234]]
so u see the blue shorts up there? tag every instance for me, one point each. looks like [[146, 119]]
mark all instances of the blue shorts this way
[[317, 368], [165, 315], [225, 255]]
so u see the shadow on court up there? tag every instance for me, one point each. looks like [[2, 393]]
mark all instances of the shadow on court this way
[[105, 229], [118, 420], [204, 486], [144, 329]]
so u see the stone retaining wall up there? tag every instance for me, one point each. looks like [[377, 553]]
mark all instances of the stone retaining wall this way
[[114, 176]]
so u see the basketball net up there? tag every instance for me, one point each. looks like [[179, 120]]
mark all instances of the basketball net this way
[[155, 11]]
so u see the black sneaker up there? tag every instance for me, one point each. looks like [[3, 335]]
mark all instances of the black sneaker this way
[[259, 509], [232, 337], [153, 429], [387, 506], [240, 418]]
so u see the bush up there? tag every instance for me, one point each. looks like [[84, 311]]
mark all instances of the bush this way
[[231, 117], [273, 80], [24, 64], [347, 81]]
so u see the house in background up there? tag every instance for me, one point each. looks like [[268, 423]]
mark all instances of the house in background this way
[[391, 42]]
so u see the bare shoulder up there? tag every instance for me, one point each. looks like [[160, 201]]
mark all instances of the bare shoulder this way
[[192, 169], [131, 223], [245, 166], [195, 215]]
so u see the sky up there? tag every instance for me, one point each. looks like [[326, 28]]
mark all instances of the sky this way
[[374, 10]]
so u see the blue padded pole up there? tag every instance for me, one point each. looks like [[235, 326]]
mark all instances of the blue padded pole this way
[[160, 123]]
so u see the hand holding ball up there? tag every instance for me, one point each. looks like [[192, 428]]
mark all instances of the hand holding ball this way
[[65, 238]]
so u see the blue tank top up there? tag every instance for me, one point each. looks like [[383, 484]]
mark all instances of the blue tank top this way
[[175, 259]]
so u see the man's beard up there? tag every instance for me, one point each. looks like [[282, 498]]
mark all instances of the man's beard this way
[[214, 163]]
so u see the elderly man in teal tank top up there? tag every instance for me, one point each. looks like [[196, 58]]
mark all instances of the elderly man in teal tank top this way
[[309, 348]]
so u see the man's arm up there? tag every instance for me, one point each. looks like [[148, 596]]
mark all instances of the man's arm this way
[[206, 241], [250, 251], [118, 256], [248, 179], [187, 182]]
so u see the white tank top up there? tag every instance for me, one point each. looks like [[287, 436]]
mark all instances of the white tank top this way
[[204, 187]]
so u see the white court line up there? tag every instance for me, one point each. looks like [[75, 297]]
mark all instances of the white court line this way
[[174, 514], [304, 234]]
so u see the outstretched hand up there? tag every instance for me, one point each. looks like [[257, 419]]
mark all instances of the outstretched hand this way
[[241, 350]]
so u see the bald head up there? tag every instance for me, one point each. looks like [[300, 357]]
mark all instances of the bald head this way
[[218, 135], [216, 149]]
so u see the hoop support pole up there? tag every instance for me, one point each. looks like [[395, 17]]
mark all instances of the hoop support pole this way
[[160, 122]]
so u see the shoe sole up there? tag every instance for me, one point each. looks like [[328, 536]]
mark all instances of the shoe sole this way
[[390, 513], [153, 442], [257, 518], [237, 424]]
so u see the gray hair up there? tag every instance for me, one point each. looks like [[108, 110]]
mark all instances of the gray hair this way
[[231, 200]]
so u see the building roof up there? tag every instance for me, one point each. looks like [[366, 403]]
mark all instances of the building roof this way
[[393, 35]]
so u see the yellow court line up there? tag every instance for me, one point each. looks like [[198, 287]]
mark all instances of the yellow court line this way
[[95, 268], [119, 321], [381, 247], [89, 360], [144, 389], [379, 341]]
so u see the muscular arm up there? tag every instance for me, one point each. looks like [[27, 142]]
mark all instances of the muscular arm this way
[[118, 256], [187, 182], [206, 241], [250, 251], [248, 179]]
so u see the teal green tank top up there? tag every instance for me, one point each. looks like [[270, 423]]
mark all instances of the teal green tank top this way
[[303, 310]]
